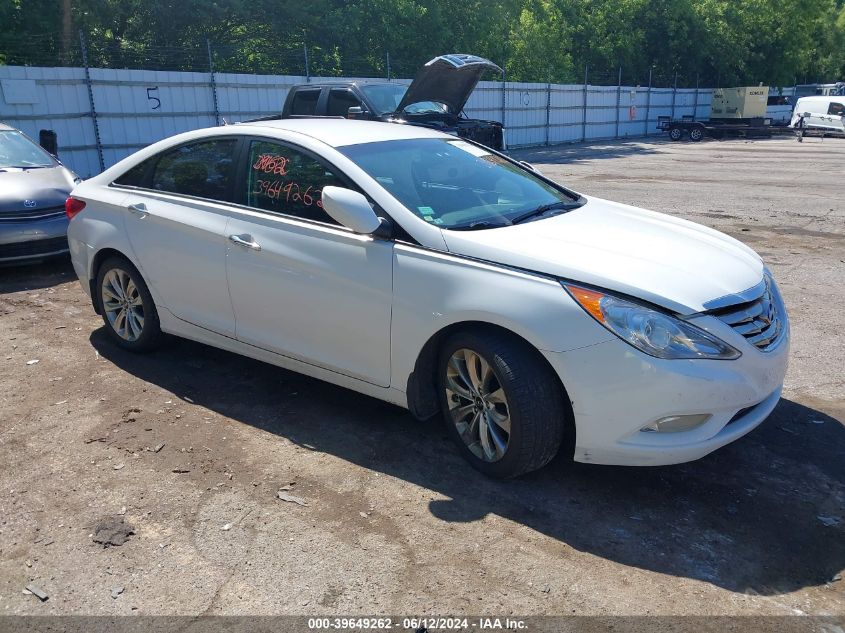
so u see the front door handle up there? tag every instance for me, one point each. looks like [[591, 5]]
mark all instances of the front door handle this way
[[245, 240], [138, 209]]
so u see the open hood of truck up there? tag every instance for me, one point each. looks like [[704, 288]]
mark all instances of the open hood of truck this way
[[448, 79]]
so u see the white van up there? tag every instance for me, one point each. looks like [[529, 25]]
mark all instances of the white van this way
[[825, 114]]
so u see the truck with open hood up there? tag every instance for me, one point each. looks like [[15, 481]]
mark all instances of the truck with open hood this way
[[435, 98]]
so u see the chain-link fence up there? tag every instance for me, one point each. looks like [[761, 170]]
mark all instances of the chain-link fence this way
[[292, 56], [106, 103]]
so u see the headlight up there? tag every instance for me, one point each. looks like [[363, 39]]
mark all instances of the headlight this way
[[655, 333]]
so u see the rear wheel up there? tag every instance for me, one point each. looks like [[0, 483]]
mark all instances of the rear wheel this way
[[126, 306], [502, 404], [676, 133]]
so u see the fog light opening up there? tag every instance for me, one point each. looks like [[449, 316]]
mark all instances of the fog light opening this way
[[676, 423]]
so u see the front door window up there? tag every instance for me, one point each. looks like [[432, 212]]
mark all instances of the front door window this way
[[284, 180]]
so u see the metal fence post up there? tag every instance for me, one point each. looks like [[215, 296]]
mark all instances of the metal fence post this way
[[504, 97], [548, 106], [674, 96], [213, 82], [584, 107], [91, 100], [387, 54], [618, 100], [307, 69], [695, 100], [648, 102]]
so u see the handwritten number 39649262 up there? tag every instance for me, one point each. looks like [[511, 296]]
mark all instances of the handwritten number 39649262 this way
[[153, 98]]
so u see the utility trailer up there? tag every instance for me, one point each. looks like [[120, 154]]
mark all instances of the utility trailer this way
[[735, 112], [687, 127]]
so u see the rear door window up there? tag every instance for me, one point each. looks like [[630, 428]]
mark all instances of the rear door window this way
[[202, 169], [836, 109], [305, 102], [340, 100]]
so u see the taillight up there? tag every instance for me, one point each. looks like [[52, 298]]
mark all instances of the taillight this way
[[73, 206]]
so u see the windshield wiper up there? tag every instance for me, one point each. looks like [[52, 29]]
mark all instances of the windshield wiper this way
[[479, 224], [560, 204]]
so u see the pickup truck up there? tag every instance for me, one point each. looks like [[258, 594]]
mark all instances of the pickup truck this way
[[435, 98]]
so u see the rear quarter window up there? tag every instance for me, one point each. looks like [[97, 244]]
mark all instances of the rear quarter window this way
[[138, 176]]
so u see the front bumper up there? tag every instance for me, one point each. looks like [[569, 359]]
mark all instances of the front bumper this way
[[28, 241], [616, 390]]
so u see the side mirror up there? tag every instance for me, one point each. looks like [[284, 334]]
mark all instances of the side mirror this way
[[806, 114], [351, 209], [354, 111]]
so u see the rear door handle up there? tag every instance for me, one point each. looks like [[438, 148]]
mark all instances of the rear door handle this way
[[245, 240], [138, 209]]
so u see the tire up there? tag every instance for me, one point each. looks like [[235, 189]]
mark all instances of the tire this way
[[676, 133], [519, 386], [696, 134], [138, 330]]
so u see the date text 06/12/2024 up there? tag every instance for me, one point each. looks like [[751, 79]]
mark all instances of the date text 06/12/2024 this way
[[416, 624]]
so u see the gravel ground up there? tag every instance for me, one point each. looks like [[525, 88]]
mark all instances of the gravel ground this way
[[190, 446]]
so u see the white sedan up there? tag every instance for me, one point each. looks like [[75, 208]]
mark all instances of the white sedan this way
[[441, 276]]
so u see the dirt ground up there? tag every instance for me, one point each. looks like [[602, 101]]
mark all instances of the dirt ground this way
[[190, 446]]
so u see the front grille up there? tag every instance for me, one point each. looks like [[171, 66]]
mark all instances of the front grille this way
[[32, 215], [759, 319], [33, 248]]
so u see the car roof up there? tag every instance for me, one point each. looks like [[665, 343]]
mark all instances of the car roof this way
[[349, 82], [342, 132], [3, 126], [823, 98]]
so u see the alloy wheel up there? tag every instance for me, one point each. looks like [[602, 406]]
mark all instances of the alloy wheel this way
[[478, 405], [123, 304]]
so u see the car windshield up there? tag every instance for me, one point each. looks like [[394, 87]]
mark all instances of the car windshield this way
[[456, 185], [386, 98], [16, 150]]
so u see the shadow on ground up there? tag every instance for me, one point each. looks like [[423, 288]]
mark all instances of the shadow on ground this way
[[44, 274], [745, 518], [585, 152]]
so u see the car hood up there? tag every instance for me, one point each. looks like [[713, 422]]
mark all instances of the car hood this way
[[448, 79], [45, 186], [662, 259]]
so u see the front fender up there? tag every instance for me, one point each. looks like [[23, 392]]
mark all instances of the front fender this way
[[433, 290]]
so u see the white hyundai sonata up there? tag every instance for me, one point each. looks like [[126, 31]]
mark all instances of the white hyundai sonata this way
[[441, 276]]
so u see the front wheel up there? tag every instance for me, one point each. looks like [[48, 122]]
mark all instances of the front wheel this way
[[696, 134], [126, 306], [502, 403]]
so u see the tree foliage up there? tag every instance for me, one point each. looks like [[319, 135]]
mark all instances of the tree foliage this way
[[717, 42]]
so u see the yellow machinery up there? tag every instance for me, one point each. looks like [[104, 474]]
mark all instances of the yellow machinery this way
[[739, 103]]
